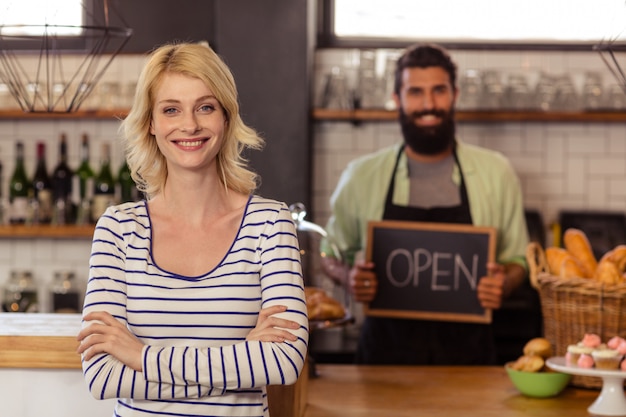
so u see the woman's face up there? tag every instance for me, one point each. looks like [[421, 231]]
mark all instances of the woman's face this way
[[188, 123]]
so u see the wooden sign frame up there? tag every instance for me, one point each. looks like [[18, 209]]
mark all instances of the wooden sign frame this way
[[415, 232]]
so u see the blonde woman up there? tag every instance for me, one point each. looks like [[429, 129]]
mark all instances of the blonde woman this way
[[195, 299]]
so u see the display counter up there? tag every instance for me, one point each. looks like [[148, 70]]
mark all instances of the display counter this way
[[40, 371], [433, 391], [41, 375]]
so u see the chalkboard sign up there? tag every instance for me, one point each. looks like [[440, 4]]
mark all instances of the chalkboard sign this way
[[429, 270]]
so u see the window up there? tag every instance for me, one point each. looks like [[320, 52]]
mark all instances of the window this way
[[35, 17], [478, 22]]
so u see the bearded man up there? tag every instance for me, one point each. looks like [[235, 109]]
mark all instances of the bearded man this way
[[430, 177]]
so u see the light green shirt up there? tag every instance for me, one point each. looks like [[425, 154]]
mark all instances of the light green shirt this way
[[493, 191]]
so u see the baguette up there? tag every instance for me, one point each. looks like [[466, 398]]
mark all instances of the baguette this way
[[607, 272], [610, 269], [577, 244], [562, 263]]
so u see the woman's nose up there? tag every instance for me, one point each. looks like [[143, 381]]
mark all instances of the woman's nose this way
[[189, 124]]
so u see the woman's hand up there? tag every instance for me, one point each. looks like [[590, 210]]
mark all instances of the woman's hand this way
[[267, 326], [105, 334], [363, 282]]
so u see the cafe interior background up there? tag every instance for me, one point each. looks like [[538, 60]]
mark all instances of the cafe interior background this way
[[554, 107]]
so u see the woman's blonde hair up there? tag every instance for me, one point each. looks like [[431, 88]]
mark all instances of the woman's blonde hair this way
[[146, 162]]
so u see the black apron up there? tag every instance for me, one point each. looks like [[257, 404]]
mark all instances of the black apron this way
[[425, 342]]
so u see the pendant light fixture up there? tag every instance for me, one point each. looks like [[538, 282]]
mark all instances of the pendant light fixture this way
[[53, 67]]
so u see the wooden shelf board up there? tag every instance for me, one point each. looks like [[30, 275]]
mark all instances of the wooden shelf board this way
[[46, 231], [477, 116], [81, 114]]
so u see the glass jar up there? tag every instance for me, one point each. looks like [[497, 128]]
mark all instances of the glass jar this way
[[20, 294], [65, 294]]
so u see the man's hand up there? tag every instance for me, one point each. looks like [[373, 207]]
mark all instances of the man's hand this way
[[363, 282], [491, 288], [500, 282]]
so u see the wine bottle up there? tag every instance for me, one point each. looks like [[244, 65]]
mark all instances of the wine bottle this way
[[104, 185], [62, 186], [42, 187], [83, 184], [128, 188], [19, 188]]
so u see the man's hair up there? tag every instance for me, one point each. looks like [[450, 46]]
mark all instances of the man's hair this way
[[424, 56]]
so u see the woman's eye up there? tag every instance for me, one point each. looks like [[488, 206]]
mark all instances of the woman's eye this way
[[207, 108], [169, 110]]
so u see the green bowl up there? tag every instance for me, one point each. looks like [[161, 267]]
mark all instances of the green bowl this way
[[538, 384]]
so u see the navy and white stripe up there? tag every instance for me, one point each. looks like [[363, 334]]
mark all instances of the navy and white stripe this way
[[196, 361]]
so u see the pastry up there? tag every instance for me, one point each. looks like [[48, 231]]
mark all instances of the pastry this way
[[321, 306], [606, 358], [576, 243], [607, 271], [610, 269], [528, 363], [538, 347], [585, 361], [618, 256], [591, 340], [614, 342], [575, 351], [562, 263]]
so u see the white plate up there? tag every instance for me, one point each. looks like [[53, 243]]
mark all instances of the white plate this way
[[558, 364], [611, 401]]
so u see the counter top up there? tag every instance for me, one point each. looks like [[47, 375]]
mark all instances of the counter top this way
[[435, 391], [30, 340]]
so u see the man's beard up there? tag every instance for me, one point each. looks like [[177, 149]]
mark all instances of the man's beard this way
[[430, 140]]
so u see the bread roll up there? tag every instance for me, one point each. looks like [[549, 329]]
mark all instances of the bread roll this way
[[538, 346], [607, 271], [577, 244], [320, 306], [528, 363], [618, 256], [562, 263]]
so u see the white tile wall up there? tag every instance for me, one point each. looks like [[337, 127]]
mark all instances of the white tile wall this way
[[561, 165], [45, 256]]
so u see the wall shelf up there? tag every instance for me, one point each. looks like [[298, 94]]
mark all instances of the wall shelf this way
[[478, 116], [46, 231], [81, 114]]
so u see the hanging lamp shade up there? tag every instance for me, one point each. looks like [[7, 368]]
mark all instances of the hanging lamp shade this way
[[611, 51], [47, 69]]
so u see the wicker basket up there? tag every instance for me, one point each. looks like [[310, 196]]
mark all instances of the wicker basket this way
[[575, 306]]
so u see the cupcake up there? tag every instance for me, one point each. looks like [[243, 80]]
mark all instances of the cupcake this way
[[614, 342], [606, 358], [574, 352], [585, 361], [591, 340]]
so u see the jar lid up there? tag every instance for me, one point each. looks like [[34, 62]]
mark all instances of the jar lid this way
[[18, 274], [64, 275]]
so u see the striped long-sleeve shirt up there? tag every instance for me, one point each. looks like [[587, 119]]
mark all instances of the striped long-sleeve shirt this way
[[196, 361]]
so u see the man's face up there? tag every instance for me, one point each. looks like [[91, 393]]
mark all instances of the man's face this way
[[426, 103]]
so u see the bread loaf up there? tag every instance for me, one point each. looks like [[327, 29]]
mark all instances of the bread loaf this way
[[562, 263], [320, 306], [610, 269], [577, 244]]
